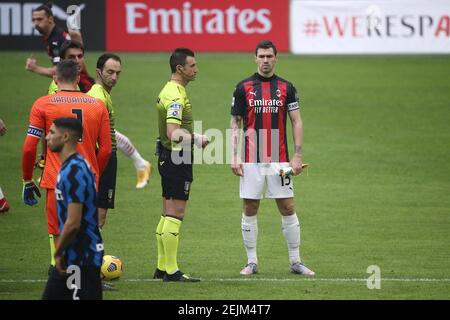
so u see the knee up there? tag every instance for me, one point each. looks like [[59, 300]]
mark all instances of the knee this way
[[251, 208], [177, 212], [287, 209]]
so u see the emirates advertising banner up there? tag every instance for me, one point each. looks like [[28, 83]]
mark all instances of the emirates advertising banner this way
[[203, 25], [372, 27]]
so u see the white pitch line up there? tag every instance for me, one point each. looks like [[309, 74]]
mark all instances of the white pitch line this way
[[436, 280]]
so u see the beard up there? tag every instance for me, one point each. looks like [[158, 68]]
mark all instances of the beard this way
[[40, 30], [56, 148]]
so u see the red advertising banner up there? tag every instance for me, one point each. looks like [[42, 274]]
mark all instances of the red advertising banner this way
[[203, 25]]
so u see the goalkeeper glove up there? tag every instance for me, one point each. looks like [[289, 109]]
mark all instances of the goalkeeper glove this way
[[29, 189]]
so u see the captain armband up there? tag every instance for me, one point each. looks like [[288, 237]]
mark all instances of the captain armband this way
[[35, 132], [293, 106]]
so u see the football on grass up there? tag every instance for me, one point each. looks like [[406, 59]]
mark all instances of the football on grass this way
[[112, 268]]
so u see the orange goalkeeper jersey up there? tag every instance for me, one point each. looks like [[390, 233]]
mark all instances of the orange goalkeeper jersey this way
[[94, 117]]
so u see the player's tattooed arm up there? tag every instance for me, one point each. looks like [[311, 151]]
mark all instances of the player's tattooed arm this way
[[236, 164], [297, 134], [235, 125]]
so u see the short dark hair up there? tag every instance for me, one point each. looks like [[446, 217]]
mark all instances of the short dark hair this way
[[69, 44], [105, 57], [70, 124], [266, 44], [67, 71], [178, 57], [45, 7]]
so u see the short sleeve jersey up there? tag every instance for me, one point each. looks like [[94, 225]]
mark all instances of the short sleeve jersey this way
[[76, 184], [54, 42], [264, 103], [173, 106], [97, 91]]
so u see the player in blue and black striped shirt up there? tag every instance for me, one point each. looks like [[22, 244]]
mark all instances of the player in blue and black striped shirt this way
[[79, 248]]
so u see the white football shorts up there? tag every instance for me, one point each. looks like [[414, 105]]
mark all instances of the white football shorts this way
[[256, 175]]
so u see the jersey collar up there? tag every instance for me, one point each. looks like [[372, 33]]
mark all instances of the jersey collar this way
[[261, 78]]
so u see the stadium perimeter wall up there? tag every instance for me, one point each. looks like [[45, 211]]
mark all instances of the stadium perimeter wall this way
[[297, 26]]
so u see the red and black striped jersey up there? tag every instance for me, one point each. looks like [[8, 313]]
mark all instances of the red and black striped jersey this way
[[264, 103], [54, 43], [86, 81]]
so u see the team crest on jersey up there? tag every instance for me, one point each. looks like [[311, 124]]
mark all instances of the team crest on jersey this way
[[278, 93]]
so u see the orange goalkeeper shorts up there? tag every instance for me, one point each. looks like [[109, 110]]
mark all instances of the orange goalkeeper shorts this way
[[52, 213]]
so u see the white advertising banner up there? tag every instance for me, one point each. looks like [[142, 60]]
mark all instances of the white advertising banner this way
[[360, 27]]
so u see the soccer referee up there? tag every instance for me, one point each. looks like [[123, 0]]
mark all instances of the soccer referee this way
[[175, 161]]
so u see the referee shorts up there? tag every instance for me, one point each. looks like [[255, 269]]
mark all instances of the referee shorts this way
[[90, 283], [176, 179], [107, 184]]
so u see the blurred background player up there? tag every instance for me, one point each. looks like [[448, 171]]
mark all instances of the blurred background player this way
[[4, 206], [74, 50], [95, 145], [177, 136], [54, 36], [80, 243], [264, 157]]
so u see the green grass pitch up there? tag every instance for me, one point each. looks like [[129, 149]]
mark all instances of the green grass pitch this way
[[377, 137]]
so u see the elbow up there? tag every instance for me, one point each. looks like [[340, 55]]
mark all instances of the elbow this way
[[73, 227], [173, 135], [169, 134]]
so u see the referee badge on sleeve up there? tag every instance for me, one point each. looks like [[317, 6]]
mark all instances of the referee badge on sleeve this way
[[174, 110]]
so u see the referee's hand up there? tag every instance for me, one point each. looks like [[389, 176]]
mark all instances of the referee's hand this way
[[200, 140]]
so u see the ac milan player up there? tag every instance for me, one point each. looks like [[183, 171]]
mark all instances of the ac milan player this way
[[262, 104], [54, 36]]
